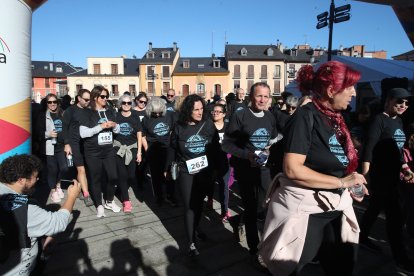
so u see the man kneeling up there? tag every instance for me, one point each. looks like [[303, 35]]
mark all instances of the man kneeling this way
[[22, 223]]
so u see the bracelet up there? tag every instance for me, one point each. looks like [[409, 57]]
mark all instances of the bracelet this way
[[342, 183]]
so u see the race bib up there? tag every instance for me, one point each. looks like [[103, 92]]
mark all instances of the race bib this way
[[105, 138], [196, 164]]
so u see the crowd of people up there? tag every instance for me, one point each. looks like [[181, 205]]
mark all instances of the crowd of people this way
[[299, 164]]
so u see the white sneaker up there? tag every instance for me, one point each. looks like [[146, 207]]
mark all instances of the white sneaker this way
[[111, 205], [100, 211], [60, 192]]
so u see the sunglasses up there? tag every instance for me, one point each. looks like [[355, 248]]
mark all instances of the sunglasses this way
[[51, 102], [170, 96], [290, 107], [216, 112], [401, 101], [126, 103], [142, 102], [103, 97], [86, 100]]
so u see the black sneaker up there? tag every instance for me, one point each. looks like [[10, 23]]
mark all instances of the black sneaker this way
[[88, 201], [193, 251], [170, 200]]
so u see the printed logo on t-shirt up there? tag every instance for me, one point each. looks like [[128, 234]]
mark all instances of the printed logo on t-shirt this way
[[399, 138], [221, 136], [171, 109], [58, 125], [260, 138], [336, 148], [239, 108], [141, 117], [125, 129], [196, 144], [161, 129]]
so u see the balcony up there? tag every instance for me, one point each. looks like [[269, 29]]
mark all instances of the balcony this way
[[151, 76]]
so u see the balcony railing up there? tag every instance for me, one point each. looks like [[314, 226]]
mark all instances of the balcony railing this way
[[151, 76]]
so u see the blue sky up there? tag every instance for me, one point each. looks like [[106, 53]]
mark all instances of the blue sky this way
[[73, 30]]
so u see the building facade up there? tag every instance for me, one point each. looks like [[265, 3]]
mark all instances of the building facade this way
[[117, 74]]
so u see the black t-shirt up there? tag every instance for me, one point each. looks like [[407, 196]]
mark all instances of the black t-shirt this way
[[221, 132], [170, 106], [92, 118], [141, 114], [158, 129], [251, 132], [384, 144], [128, 128], [191, 141], [71, 119], [237, 106], [58, 122], [309, 133]]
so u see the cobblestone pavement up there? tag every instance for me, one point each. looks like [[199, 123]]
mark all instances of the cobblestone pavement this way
[[151, 241]]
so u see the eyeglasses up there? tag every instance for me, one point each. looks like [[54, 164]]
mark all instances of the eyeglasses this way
[[170, 96], [126, 103], [86, 100], [216, 112], [51, 102], [401, 101], [103, 97], [142, 102], [290, 107]]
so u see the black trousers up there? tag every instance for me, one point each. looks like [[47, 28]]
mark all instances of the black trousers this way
[[253, 184], [126, 174], [57, 168], [157, 157], [193, 190], [385, 196], [96, 167], [323, 240]]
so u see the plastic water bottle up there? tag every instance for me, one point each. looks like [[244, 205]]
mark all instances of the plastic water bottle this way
[[70, 160], [53, 140], [357, 190]]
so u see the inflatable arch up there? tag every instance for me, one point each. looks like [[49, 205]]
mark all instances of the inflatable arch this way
[[15, 76]]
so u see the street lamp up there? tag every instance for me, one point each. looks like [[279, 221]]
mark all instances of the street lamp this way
[[335, 15]]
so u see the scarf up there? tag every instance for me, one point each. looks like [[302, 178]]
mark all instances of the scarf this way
[[342, 134]]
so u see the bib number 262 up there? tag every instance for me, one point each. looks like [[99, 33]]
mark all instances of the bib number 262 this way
[[196, 164]]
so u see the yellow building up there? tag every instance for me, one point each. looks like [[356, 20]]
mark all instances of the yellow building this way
[[205, 76], [156, 68], [115, 74]]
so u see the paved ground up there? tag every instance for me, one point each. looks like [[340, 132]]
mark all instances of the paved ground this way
[[150, 241]]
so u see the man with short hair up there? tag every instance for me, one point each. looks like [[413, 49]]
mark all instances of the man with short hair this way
[[22, 223], [239, 103], [170, 100]]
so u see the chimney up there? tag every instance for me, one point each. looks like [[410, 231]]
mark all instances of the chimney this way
[[51, 66], [362, 50], [150, 46], [175, 46], [213, 56]]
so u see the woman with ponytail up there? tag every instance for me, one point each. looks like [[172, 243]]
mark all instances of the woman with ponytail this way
[[310, 211]]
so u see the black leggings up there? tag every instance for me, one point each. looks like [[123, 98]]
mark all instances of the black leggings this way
[[323, 239], [157, 156], [126, 174], [96, 167], [57, 168], [193, 190]]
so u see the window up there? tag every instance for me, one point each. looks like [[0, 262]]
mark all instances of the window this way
[[243, 52], [96, 69], [200, 65], [236, 71], [59, 68], [150, 55], [269, 52], [291, 71], [236, 84], [47, 82], [186, 90], [166, 72], [217, 89], [250, 72], [115, 91], [165, 54], [276, 87], [132, 89], [216, 63], [200, 88], [165, 86], [151, 88], [263, 72], [277, 72], [114, 69], [186, 63], [249, 84], [151, 72]]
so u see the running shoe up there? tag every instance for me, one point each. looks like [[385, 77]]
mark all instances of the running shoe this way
[[111, 205], [100, 211], [55, 197], [226, 216], [88, 201], [193, 251], [127, 206], [60, 192]]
